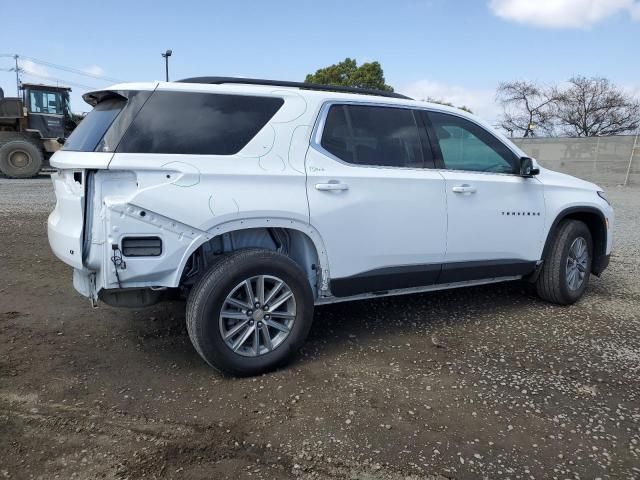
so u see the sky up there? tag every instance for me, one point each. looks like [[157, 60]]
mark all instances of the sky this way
[[454, 50]]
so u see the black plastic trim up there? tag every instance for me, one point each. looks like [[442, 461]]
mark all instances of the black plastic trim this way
[[427, 145], [478, 270], [599, 263], [433, 141], [383, 279], [141, 246], [409, 276], [286, 83]]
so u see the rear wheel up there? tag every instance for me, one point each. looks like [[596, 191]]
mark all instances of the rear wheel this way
[[250, 312], [20, 158], [566, 270]]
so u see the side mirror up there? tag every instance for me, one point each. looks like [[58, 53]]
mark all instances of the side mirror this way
[[60, 140], [526, 167]]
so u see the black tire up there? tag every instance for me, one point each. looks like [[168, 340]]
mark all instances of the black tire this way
[[20, 158], [552, 284], [207, 297]]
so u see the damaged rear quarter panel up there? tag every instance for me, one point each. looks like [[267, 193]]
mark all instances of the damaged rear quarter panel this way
[[186, 198]]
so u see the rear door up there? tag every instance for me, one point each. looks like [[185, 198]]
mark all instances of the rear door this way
[[372, 196], [495, 216]]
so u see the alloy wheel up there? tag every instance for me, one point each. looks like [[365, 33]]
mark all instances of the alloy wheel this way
[[577, 263], [257, 315]]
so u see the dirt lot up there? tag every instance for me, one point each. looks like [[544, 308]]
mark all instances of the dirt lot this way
[[482, 382]]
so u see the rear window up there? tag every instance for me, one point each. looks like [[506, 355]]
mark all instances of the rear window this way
[[197, 123], [92, 128]]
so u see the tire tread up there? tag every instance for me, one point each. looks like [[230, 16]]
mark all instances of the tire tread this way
[[217, 274], [549, 285]]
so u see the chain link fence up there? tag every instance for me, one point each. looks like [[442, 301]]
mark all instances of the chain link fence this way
[[602, 160]]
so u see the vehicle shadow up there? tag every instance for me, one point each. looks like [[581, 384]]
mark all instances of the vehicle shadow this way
[[404, 314], [162, 329]]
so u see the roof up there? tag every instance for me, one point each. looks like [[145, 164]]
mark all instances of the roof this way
[[42, 85], [286, 83]]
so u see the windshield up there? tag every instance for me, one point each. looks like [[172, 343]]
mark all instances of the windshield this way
[[42, 101], [92, 128]]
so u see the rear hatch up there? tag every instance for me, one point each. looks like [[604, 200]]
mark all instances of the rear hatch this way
[[92, 143], [89, 148]]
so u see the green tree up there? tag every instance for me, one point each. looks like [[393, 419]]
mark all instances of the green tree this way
[[349, 74], [448, 104]]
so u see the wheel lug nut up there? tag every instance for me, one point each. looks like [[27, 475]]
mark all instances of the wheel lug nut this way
[[249, 313], [257, 305], [265, 308]]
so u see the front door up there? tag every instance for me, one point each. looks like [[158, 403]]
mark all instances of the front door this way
[[495, 216], [379, 208]]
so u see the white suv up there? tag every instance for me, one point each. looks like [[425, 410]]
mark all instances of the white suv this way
[[258, 199]]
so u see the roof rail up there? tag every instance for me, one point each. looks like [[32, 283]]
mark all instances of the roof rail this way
[[302, 85]]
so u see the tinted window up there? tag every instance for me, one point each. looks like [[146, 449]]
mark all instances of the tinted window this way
[[197, 123], [92, 128], [45, 102], [367, 135], [467, 146]]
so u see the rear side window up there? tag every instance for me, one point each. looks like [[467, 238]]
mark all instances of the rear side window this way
[[370, 135], [197, 123], [92, 128]]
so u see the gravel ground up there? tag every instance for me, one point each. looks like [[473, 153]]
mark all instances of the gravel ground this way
[[485, 382]]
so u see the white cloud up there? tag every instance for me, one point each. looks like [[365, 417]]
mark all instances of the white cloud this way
[[27, 66], [94, 70], [562, 13], [480, 101]]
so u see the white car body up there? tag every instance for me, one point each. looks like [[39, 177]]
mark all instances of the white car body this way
[[351, 228]]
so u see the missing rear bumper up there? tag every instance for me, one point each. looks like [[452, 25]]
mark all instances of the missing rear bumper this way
[[130, 297]]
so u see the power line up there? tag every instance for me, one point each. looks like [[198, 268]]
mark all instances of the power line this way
[[60, 80], [75, 71], [72, 70]]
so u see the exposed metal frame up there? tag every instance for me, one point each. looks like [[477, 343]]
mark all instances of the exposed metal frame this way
[[286, 83]]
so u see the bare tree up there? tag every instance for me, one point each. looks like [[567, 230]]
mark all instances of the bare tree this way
[[528, 107], [440, 101], [594, 106]]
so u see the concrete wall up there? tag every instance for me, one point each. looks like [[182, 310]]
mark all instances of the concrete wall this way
[[602, 160]]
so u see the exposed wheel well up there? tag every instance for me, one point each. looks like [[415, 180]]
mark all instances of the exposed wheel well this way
[[595, 221], [290, 242]]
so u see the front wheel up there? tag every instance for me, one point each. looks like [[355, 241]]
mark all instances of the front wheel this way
[[567, 266], [250, 312]]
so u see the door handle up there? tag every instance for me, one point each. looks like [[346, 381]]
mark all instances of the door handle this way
[[332, 186], [464, 188]]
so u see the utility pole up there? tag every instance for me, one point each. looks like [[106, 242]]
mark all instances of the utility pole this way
[[17, 76], [166, 56]]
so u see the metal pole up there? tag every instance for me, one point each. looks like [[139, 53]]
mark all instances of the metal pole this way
[[17, 76], [166, 66], [633, 151]]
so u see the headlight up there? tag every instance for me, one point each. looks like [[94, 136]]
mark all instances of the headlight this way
[[603, 196]]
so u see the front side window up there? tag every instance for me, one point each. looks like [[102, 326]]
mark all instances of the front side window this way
[[370, 135], [197, 123], [467, 146], [45, 102]]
